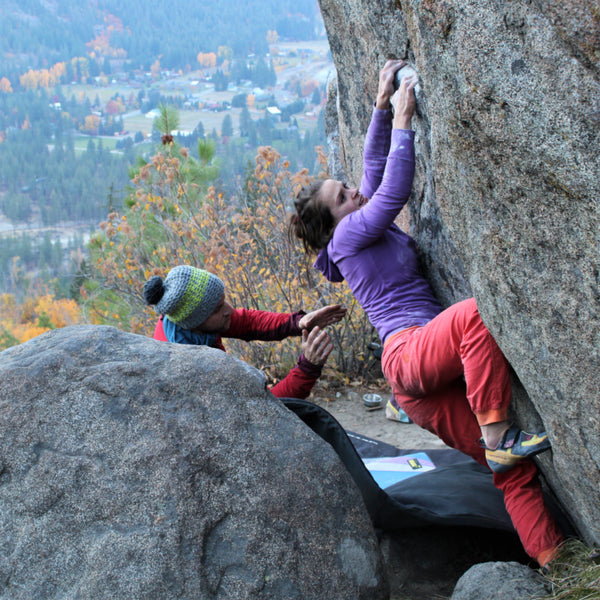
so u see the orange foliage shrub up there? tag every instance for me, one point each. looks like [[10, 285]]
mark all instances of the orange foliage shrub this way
[[91, 124], [5, 86], [207, 59], [35, 316], [174, 219]]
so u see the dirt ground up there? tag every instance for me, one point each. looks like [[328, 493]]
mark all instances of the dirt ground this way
[[347, 406]]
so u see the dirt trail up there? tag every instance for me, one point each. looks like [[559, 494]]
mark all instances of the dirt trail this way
[[347, 406]]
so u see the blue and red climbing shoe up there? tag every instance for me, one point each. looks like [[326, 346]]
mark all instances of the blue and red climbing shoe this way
[[394, 412], [515, 445]]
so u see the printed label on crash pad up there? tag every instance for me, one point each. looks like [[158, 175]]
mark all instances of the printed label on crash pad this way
[[388, 470]]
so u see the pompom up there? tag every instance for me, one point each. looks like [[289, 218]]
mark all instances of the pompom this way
[[154, 290]]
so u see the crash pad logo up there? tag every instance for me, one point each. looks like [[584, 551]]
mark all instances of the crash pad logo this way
[[388, 470]]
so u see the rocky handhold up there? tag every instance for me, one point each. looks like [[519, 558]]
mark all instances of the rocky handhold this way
[[131, 468]]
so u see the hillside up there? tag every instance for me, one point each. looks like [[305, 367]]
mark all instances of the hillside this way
[[38, 33], [80, 85]]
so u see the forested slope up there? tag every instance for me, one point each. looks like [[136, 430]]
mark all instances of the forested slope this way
[[38, 33], [75, 75]]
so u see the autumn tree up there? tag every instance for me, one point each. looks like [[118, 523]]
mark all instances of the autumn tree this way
[[224, 53], [30, 80], [57, 72], [155, 68], [100, 45], [5, 86], [173, 216], [91, 124], [115, 106], [307, 87], [80, 68], [207, 60], [34, 316]]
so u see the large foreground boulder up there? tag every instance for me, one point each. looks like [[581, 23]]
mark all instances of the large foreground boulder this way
[[505, 201], [137, 469]]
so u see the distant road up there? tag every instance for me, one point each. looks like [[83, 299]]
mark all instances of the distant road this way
[[66, 230]]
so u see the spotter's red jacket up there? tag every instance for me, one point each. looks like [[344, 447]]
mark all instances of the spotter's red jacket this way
[[251, 325]]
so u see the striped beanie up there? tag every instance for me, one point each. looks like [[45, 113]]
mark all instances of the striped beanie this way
[[187, 296]]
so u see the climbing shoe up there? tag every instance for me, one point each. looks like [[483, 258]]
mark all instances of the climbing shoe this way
[[394, 413], [515, 445]]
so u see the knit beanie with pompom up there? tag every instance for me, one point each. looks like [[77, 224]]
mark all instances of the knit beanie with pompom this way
[[187, 296]]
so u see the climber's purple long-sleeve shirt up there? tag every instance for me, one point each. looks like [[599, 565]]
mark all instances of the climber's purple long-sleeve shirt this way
[[377, 259]]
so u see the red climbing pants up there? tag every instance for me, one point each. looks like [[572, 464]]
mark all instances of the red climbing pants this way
[[450, 377]]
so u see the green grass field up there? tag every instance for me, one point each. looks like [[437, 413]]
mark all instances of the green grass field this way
[[188, 120], [192, 83], [81, 143]]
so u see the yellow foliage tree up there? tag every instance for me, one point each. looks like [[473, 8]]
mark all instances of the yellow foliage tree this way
[[61, 313], [57, 72], [91, 124], [208, 59], [155, 68], [81, 68], [30, 80], [36, 315], [224, 53], [44, 78]]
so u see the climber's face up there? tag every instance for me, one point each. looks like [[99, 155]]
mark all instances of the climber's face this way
[[340, 199], [219, 320]]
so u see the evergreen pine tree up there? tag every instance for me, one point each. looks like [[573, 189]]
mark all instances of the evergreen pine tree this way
[[227, 127]]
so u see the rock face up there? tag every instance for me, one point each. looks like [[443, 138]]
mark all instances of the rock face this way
[[131, 468], [506, 197]]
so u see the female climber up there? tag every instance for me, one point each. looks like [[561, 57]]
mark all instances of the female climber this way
[[445, 369]]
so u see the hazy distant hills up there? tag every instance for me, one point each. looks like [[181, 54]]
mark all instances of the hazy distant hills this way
[[38, 33]]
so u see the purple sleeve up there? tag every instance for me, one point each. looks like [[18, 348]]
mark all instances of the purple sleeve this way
[[362, 227], [376, 149]]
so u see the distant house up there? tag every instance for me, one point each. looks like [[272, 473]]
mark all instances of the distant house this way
[[274, 112], [260, 95]]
